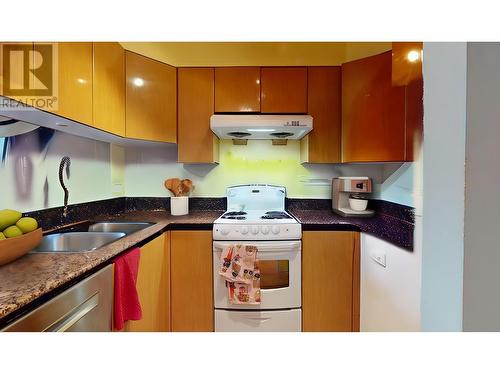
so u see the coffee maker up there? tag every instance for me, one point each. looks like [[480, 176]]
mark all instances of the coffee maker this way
[[349, 196]]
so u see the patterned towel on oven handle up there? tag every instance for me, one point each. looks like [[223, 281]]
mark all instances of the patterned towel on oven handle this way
[[240, 268]]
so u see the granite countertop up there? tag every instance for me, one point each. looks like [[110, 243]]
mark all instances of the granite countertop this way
[[30, 280], [34, 275], [398, 232]]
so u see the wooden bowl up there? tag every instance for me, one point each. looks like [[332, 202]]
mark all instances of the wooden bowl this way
[[16, 247]]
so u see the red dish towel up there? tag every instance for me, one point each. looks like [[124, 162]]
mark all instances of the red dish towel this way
[[126, 300]]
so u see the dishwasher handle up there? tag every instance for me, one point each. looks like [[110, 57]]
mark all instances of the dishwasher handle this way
[[67, 321]]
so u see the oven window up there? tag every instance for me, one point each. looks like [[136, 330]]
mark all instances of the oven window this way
[[274, 274]]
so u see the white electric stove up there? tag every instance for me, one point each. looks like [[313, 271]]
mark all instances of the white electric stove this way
[[256, 212], [256, 216]]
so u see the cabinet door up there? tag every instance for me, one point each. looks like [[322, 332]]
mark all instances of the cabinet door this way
[[330, 281], [14, 78], [151, 99], [153, 286], [407, 72], [196, 142], [74, 70], [109, 87], [284, 90], [322, 145], [373, 112], [192, 281], [237, 89]]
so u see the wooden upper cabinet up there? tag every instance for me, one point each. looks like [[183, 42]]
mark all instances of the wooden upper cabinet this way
[[192, 281], [284, 90], [74, 69], [322, 145], [151, 99], [196, 142], [407, 72], [109, 87], [237, 89], [14, 56], [330, 281], [373, 111], [406, 62]]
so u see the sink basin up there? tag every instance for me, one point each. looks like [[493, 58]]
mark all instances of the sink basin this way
[[76, 242], [129, 227]]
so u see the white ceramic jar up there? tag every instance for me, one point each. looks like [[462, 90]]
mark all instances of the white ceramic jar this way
[[179, 206]]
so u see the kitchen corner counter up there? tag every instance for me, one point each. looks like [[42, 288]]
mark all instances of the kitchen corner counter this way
[[396, 231], [24, 282]]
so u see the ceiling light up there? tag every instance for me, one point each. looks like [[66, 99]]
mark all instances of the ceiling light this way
[[138, 82], [81, 80], [413, 56]]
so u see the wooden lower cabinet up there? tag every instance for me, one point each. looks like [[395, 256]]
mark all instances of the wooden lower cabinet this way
[[153, 286], [330, 281], [192, 281]]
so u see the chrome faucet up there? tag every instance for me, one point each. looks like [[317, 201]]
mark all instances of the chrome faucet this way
[[65, 164]]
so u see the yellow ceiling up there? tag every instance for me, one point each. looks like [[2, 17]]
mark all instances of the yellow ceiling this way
[[256, 53]]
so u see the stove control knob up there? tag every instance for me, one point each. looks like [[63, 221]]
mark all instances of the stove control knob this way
[[255, 230], [244, 230], [275, 229], [265, 229], [224, 231]]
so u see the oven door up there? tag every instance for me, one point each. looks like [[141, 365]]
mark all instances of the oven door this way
[[280, 266]]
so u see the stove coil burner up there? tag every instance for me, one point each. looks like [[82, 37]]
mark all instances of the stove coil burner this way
[[275, 215], [235, 215]]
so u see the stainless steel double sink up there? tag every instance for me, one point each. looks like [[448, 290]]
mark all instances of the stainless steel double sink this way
[[98, 235]]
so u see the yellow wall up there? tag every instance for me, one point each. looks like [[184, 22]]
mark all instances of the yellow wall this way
[[255, 53]]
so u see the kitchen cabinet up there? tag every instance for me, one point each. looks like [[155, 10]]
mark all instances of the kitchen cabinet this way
[[151, 99], [15, 54], [322, 145], [407, 72], [109, 87], [284, 90], [237, 89], [330, 281], [192, 281], [373, 111], [153, 287], [196, 142], [74, 96]]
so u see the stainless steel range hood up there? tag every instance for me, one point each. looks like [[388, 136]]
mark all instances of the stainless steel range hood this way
[[261, 126]]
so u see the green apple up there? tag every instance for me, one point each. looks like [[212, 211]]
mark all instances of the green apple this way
[[27, 224], [8, 218], [12, 231]]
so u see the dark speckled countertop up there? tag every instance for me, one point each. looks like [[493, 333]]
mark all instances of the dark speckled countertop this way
[[34, 278], [398, 232]]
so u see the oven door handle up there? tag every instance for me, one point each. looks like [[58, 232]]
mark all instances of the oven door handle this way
[[276, 248]]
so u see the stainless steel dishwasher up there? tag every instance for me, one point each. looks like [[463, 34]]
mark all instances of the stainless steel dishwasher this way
[[85, 307]]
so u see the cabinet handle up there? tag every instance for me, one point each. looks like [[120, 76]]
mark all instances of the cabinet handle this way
[[68, 320]]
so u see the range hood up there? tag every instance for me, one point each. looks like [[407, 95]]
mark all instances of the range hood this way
[[261, 126]]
